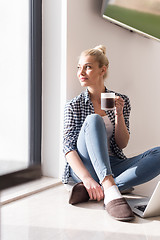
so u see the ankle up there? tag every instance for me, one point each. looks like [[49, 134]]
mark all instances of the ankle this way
[[108, 182]]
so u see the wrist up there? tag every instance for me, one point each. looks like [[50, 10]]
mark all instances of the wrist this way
[[86, 178], [119, 114]]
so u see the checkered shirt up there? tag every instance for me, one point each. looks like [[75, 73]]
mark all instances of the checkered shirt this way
[[75, 113]]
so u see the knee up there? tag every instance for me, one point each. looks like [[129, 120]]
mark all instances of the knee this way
[[156, 154], [156, 150], [94, 118]]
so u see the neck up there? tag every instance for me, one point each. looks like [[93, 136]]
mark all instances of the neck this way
[[95, 93]]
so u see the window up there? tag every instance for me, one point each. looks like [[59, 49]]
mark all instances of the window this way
[[20, 91]]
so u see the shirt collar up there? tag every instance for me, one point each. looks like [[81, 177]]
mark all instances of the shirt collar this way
[[87, 96]]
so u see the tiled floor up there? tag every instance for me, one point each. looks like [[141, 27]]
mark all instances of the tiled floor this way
[[48, 216]]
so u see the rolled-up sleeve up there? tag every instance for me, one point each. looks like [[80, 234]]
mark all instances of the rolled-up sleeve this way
[[126, 112], [69, 133]]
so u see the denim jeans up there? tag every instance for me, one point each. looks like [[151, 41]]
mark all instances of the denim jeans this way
[[92, 148]]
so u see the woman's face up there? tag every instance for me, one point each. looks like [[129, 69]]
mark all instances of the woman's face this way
[[89, 73]]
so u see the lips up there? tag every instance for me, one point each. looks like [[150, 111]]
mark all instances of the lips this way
[[83, 79]]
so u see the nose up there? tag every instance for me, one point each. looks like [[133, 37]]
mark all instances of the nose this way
[[82, 71]]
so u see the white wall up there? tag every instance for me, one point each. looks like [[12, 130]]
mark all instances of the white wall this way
[[134, 70]]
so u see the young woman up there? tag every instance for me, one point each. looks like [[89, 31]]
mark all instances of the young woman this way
[[94, 139]]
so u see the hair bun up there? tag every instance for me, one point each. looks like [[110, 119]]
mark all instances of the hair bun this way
[[101, 48]]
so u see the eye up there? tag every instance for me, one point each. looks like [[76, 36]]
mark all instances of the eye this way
[[88, 67], [78, 67]]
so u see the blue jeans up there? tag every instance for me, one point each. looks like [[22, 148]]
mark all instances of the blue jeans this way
[[93, 150]]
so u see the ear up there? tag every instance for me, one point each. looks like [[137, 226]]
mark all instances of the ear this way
[[103, 70]]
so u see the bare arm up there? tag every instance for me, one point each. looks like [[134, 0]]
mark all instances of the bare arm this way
[[94, 189], [121, 132]]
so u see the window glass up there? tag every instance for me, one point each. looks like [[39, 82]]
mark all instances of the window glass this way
[[14, 85]]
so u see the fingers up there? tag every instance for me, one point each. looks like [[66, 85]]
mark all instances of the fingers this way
[[96, 193], [99, 195], [119, 105], [93, 188], [119, 101]]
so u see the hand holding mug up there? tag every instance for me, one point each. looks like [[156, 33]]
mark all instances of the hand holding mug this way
[[119, 104]]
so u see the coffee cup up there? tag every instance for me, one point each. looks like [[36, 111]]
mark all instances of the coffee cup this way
[[107, 101]]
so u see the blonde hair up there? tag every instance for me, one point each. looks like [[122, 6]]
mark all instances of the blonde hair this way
[[99, 52]]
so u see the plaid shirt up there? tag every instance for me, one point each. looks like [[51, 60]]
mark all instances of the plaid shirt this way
[[75, 113]]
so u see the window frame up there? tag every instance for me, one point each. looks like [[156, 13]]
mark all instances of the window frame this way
[[33, 171]]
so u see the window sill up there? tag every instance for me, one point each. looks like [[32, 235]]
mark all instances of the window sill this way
[[15, 193]]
